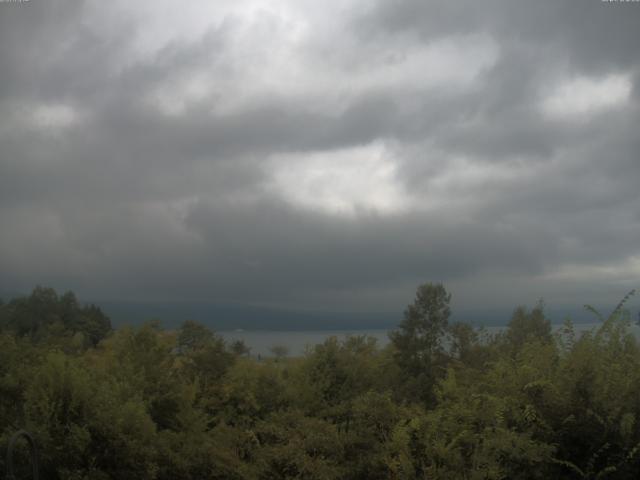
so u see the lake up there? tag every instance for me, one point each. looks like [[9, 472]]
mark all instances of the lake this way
[[260, 341]]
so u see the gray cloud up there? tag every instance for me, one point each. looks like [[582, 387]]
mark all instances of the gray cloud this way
[[130, 172]]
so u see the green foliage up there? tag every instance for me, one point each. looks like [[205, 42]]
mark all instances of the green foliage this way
[[294, 445], [440, 402], [239, 348], [43, 316], [527, 326], [419, 340], [279, 351]]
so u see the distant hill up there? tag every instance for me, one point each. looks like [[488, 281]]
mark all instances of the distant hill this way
[[231, 316]]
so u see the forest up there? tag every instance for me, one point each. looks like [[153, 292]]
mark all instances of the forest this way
[[442, 401]]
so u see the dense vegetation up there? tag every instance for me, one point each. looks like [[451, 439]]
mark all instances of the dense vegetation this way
[[442, 401]]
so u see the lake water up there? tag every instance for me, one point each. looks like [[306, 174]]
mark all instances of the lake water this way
[[260, 342]]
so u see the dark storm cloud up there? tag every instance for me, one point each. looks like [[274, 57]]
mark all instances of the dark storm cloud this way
[[110, 191]]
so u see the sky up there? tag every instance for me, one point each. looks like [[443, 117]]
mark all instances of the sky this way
[[322, 156]]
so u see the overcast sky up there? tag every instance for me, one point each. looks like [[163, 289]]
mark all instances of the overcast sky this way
[[321, 155]]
